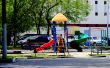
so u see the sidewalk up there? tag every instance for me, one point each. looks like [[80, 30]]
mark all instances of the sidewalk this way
[[85, 54], [80, 54], [72, 53]]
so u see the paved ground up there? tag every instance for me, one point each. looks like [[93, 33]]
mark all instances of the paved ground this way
[[78, 60], [72, 52], [60, 63]]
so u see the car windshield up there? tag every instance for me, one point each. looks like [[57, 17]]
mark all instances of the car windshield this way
[[72, 37], [40, 39], [26, 36], [31, 37], [23, 37]]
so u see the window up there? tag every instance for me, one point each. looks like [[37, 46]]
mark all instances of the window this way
[[105, 2], [105, 13], [96, 13], [96, 2]]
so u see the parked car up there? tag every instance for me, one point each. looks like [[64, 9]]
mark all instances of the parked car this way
[[24, 40], [37, 41], [25, 37], [70, 38], [95, 40]]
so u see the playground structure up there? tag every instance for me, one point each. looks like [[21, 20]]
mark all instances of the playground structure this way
[[46, 45], [103, 35], [61, 45], [104, 42], [75, 44], [78, 37]]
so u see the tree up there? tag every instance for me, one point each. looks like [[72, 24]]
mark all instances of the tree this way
[[18, 17], [23, 21], [45, 10], [48, 14], [42, 12], [39, 14], [75, 10], [22, 15]]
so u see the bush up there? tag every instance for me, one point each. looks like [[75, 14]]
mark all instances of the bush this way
[[106, 48], [11, 47], [7, 60]]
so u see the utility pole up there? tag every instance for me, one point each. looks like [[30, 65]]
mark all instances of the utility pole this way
[[107, 20], [4, 30], [15, 15]]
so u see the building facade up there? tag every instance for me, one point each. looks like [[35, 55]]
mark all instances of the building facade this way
[[99, 14]]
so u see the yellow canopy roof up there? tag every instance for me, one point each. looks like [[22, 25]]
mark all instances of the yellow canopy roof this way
[[59, 18]]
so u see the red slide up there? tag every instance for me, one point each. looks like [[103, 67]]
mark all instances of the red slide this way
[[45, 45]]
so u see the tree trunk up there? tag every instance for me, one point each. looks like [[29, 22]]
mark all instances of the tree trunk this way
[[14, 19], [14, 40], [48, 27], [48, 23], [38, 28], [39, 21]]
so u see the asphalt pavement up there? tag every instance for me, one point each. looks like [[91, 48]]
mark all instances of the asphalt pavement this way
[[78, 60], [59, 63]]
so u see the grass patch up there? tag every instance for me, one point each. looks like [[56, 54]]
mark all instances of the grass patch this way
[[48, 56], [40, 56], [106, 48], [17, 55], [28, 55], [34, 56], [9, 59], [11, 47], [100, 55]]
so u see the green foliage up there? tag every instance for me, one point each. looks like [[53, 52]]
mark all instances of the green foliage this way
[[9, 47], [75, 10], [22, 15], [0, 18], [40, 55], [7, 60], [22, 21], [106, 47]]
